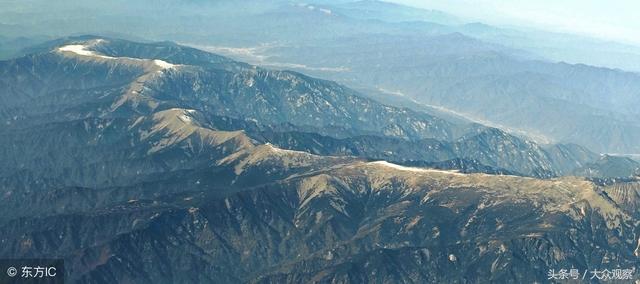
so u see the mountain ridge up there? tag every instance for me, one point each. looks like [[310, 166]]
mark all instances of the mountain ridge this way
[[181, 177]]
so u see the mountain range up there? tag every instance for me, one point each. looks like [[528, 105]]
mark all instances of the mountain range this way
[[147, 162], [515, 79]]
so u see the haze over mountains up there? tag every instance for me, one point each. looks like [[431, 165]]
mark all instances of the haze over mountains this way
[[325, 142], [127, 151], [497, 76]]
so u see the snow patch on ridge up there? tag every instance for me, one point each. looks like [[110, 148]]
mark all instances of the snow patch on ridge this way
[[77, 49], [285, 151], [153, 68], [163, 64], [84, 50], [412, 169]]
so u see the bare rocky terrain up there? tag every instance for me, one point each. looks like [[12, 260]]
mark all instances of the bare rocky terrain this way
[[157, 163]]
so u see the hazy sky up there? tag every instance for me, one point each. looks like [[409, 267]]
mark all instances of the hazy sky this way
[[607, 19]]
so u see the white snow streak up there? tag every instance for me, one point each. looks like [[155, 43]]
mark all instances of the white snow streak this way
[[83, 50], [163, 64], [412, 169]]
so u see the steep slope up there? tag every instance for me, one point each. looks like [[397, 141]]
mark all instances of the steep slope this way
[[276, 101], [626, 195], [473, 69], [585, 105], [609, 167], [146, 163], [488, 149], [351, 223]]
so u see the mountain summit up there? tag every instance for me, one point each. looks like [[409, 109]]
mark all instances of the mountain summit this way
[[144, 162]]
